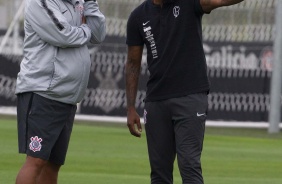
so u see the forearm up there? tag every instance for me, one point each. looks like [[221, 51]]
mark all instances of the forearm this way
[[47, 21], [132, 71], [230, 2], [209, 5], [95, 20]]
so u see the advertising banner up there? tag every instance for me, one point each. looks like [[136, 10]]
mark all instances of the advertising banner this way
[[239, 74]]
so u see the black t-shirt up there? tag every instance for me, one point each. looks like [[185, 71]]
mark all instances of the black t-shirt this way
[[173, 38]]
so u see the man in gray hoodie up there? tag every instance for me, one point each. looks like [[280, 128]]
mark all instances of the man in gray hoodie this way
[[52, 80]]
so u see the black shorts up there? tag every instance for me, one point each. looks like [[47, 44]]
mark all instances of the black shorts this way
[[44, 127]]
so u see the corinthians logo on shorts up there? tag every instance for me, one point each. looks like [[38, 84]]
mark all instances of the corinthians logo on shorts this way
[[145, 116], [35, 144]]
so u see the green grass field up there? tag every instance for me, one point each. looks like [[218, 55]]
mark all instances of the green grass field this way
[[108, 154]]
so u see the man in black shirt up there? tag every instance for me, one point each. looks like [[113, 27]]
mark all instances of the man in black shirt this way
[[176, 99]]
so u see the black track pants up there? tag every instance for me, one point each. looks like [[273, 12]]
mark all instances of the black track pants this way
[[176, 127]]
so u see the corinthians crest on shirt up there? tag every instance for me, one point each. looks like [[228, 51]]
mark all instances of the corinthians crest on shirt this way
[[35, 144]]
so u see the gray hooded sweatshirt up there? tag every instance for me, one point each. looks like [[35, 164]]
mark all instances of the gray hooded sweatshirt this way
[[56, 62]]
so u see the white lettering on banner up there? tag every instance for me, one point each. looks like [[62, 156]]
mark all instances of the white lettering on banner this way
[[226, 57], [223, 61]]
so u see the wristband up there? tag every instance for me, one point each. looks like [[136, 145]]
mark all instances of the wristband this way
[[89, 0]]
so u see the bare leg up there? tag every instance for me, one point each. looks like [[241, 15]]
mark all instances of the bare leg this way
[[30, 171], [49, 174]]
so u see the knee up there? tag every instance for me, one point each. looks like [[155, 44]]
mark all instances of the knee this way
[[52, 167], [189, 163], [37, 163]]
